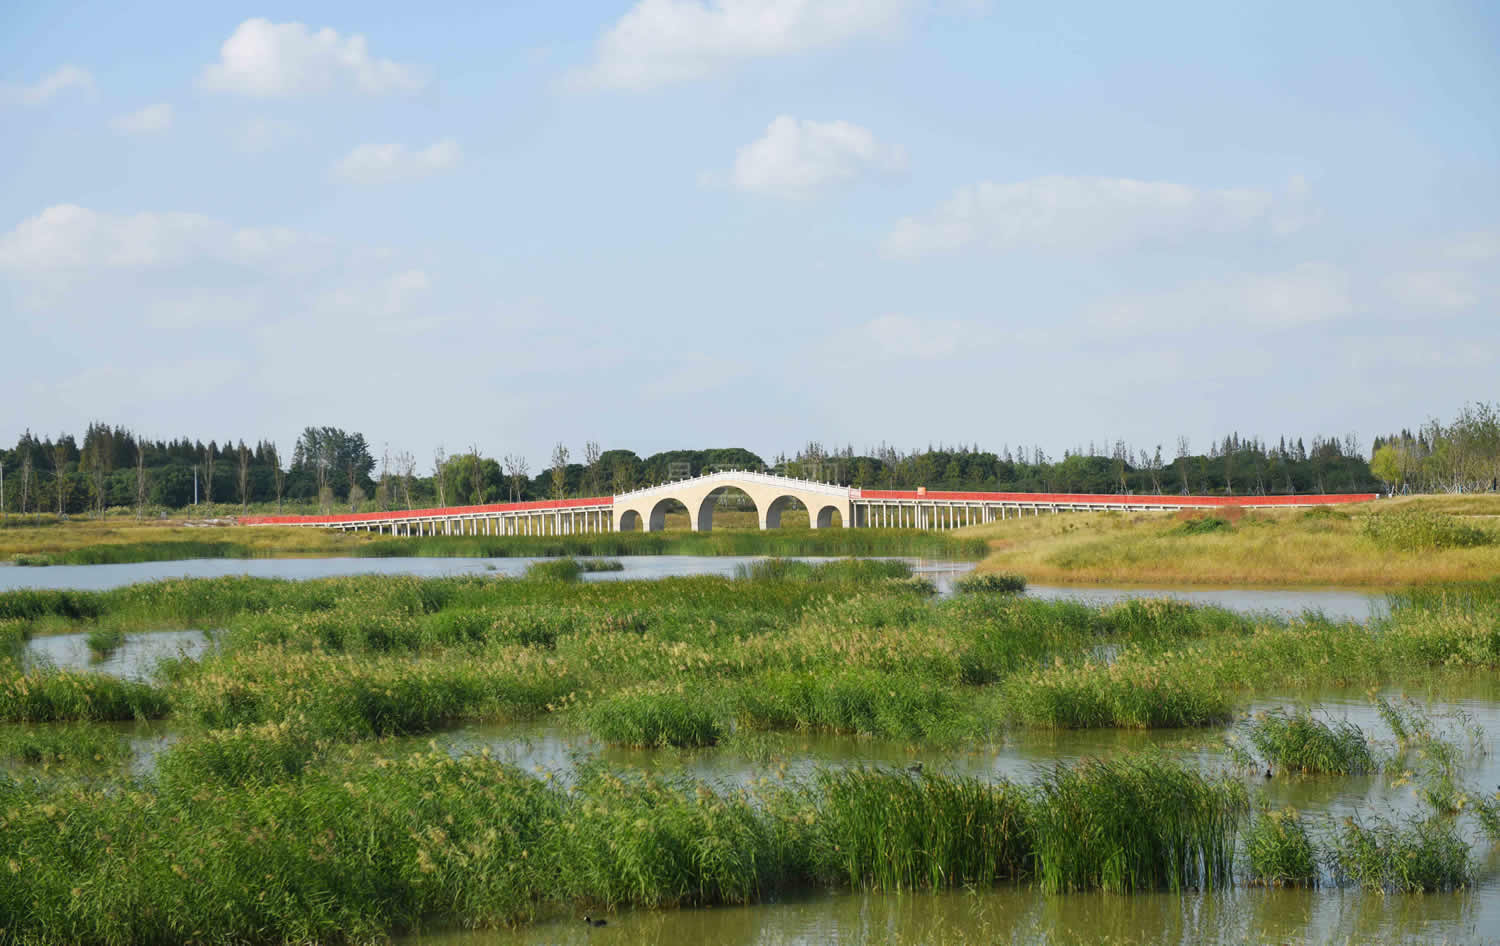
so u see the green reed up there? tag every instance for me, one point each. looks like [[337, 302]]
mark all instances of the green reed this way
[[1138, 822], [990, 583], [1298, 742], [63, 744], [1280, 850], [1414, 856]]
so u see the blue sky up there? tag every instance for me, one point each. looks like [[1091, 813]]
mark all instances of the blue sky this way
[[689, 222]]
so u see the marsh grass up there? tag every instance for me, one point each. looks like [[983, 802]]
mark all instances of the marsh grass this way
[[1280, 850], [1299, 742], [851, 570], [990, 583], [1138, 822], [555, 569], [1415, 856], [1420, 530], [65, 745], [244, 755], [649, 717], [47, 695], [103, 641]]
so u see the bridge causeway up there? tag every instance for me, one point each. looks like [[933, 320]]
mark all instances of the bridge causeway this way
[[826, 505]]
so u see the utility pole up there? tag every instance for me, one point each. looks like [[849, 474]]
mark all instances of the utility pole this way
[[195, 484], [3, 513]]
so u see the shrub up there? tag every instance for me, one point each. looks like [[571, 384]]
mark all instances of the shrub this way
[[1203, 525]]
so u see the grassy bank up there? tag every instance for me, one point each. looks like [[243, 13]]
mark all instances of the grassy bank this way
[[84, 542], [1386, 544]]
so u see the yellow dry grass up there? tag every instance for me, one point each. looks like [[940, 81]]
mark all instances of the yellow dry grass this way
[[1282, 548], [51, 537]]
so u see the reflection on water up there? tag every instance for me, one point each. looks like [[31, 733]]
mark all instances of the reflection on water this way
[[135, 659], [1022, 914]]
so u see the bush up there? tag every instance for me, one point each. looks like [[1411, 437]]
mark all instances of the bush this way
[[1203, 525]]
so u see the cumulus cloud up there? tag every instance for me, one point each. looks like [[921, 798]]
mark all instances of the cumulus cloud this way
[[1079, 212], [46, 88], [282, 60], [796, 157], [1303, 295], [663, 41], [149, 119], [67, 238], [388, 162]]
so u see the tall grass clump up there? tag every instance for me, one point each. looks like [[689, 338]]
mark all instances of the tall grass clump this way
[[67, 744], [1298, 742], [1139, 822], [48, 695], [244, 755], [1421, 855], [651, 716], [1280, 851], [1134, 691], [990, 583], [1203, 525], [855, 700], [1421, 530], [103, 641], [556, 569], [882, 830], [842, 570]]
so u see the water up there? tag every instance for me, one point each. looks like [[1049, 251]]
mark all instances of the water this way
[[1338, 604], [1021, 913], [135, 659]]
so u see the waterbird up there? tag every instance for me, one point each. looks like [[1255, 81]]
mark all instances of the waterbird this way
[[1268, 771], [590, 921], [915, 768]]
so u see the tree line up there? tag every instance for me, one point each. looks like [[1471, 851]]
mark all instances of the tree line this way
[[330, 469], [1461, 456]]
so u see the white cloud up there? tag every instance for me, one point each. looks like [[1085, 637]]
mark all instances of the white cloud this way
[[67, 238], [1475, 247], [663, 41], [269, 60], [899, 336], [1079, 212], [796, 158], [388, 162], [46, 88], [151, 118], [1433, 289], [1304, 295]]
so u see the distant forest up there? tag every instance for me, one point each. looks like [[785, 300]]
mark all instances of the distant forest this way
[[335, 470]]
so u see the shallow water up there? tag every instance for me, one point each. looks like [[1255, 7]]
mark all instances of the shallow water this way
[[1020, 913], [1337, 604], [135, 659]]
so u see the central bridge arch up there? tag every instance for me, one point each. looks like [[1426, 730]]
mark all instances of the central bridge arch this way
[[770, 494]]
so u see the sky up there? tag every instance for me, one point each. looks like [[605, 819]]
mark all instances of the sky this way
[[689, 223]]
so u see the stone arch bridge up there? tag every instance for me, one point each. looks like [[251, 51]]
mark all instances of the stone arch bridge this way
[[827, 505]]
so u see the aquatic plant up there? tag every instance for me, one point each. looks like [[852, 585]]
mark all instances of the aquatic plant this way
[[103, 640], [654, 716], [1280, 850], [65, 744], [1298, 742], [1137, 822], [990, 583], [48, 695], [1419, 855]]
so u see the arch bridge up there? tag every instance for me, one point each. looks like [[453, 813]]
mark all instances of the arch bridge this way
[[646, 509]]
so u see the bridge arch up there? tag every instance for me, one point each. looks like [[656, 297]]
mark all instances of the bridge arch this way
[[825, 516], [629, 521], [703, 516], [770, 495]]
